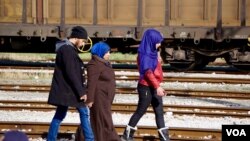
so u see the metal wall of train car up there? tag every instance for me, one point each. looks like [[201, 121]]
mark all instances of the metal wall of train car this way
[[248, 13], [109, 12], [76, 11], [204, 12], [126, 13], [117, 12], [153, 12], [11, 11], [120, 12], [184, 13]]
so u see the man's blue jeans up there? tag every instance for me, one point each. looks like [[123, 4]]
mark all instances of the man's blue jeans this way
[[60, 114]]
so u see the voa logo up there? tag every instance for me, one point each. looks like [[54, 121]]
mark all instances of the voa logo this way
[[236, 132]]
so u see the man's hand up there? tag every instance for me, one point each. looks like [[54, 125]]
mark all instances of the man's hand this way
[[84, 98]]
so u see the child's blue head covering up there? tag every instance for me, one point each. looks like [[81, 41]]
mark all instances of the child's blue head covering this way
[[100, 49], [147, 52]]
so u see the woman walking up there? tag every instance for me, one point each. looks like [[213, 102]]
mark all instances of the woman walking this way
[[101, 92], [149, 89]]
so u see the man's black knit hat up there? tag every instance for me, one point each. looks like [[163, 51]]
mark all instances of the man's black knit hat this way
[[79, 32]]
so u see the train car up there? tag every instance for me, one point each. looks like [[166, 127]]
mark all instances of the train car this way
[[196, 32]]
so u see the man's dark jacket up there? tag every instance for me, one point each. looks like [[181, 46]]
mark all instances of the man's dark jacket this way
[[68, 83]]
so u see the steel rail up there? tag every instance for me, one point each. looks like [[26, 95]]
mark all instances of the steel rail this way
[[193, 93], [135, 77], [190, 79], [122, 90], [120, 77], [149, 133], [129, 108], [219, 69]]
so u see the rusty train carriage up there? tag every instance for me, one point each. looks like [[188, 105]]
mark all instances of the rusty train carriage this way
[[195, 31]]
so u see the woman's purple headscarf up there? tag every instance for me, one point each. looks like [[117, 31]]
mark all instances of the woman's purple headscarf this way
[[147, 51]]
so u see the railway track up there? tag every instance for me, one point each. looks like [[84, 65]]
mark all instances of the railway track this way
[[123, 90], [129, 67], [132, 75], [193, 93], [119, 64], [191, 79], [148, 133], [128, 108]]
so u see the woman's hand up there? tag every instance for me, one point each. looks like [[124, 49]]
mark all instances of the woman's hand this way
[[160, 91], [89, 104], [83, 98]]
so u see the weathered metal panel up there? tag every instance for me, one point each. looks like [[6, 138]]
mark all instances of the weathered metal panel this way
[[109, 12], [248, 13], [153, 12], [125, 12], [52, 12], [193, 12], [231, 12], [28, 30], [117, 18], [204, 12], [117, 12], [79, 12], [76, 11], [11, 11]]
